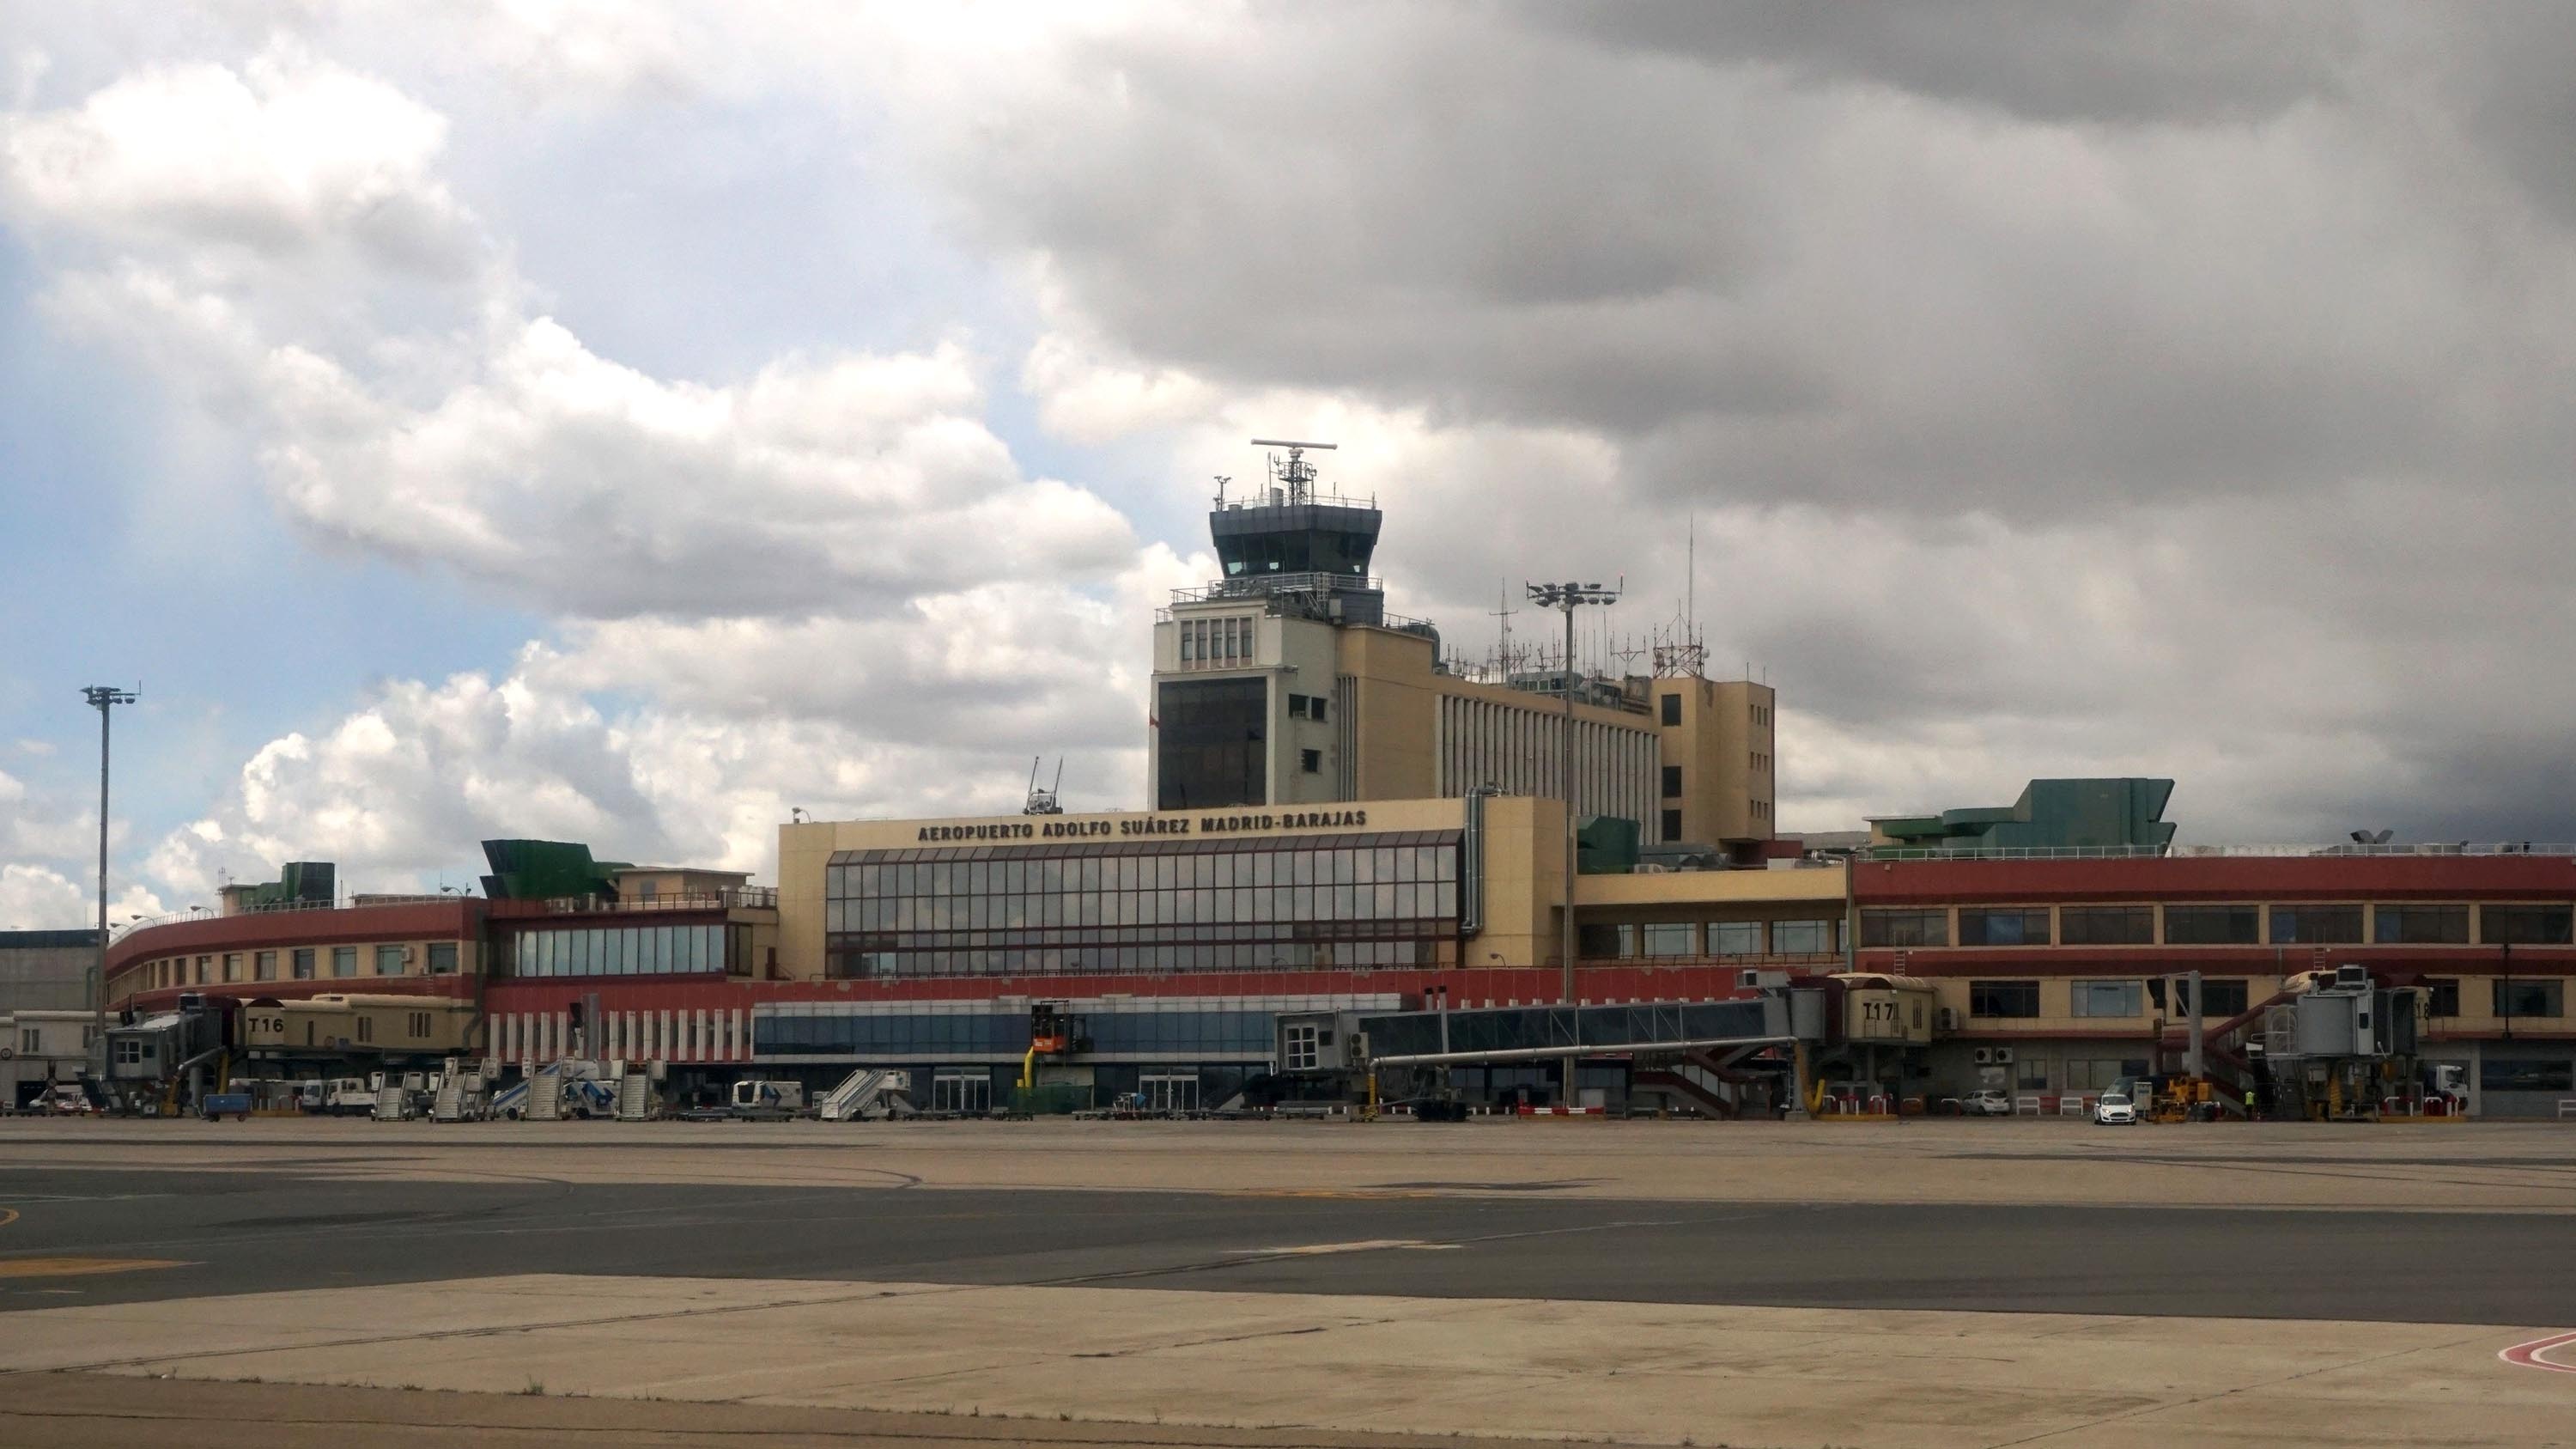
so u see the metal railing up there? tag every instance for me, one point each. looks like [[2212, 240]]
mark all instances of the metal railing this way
[[2211, 852]]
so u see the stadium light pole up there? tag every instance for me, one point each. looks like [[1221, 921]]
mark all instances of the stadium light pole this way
[[1566, 598], [103, 698]]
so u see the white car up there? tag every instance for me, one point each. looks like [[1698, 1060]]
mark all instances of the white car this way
[[2115, 1109], [1986, 1103]]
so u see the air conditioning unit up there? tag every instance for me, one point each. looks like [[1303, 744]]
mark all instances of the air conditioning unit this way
[[2003, 1056], [2349, 974], [407, 952], [1947, 1019], [1985, 1056]]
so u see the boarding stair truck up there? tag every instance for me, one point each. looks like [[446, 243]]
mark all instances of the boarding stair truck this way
[[768, 1100], [545, 1089], [510, 1103], [868, 1094], [462, 1094], [636, 1098], [393, 1103]]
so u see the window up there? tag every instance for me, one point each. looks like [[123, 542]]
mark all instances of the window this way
[[129, 1051], [1311, 761], [2442, 996], [2106, 926], [2217, 998], [1672, 782], [263, 966], [2510, 1076], [2530, 998], [418, 1023], [2003, 998], [1668, 938], [1672, 822], [2316, 925], [28, 1038], [2212, 926], [442, 958], [389, 960], [1735, 938], [1209, 750], [2420, 925], [2094, 1074], [303, 963], [1672, 707], [1904, 928], [2105, 998], [232, 966], [2012, 926], [2525, 925], [2031, 1074], [1802, 938], [344, 960], [1600, 943], [1304, 1053], [202, 963], [366, 1027]]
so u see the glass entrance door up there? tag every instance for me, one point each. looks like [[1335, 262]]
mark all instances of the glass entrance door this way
[[966, 1093], [1169, 1093]]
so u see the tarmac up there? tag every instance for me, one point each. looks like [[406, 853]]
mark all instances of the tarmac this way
[[1653, 1283]]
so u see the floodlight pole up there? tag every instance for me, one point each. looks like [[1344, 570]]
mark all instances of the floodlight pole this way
[[103, 698], [1567, 598]]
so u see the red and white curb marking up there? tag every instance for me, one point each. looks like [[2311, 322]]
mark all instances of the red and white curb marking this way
[[2528, 1355]]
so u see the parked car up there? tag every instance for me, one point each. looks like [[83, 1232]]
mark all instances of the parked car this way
[[1986, 1102], [2116, 1109]]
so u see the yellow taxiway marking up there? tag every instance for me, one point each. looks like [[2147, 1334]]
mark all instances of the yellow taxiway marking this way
[[75, 1267], [8, 1216]]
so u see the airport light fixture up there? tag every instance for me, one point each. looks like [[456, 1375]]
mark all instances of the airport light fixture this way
[[104, 698], [1566, 598]]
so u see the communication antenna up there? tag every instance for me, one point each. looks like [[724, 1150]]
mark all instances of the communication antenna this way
[[1296, 476], [1043, 802], [1222, 479]]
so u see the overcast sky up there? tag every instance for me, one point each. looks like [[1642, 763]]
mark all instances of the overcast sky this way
[[624, 423]]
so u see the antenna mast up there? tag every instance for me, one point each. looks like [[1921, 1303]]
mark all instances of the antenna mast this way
[[1296, 476]]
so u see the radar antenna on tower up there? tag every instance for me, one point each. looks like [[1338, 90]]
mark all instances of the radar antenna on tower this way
[[1295, 476]]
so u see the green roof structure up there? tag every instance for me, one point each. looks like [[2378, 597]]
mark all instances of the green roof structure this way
[[546, 870], [2110, 815]]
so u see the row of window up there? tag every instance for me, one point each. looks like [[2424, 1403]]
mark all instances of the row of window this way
[[1309, 706], [854, 957], [1322, 861], [1708, 938], [1242, 906], [2338, 924], [2019, 1000], [1217, 641], [1208, 1032], [628, 951], [302, 963]]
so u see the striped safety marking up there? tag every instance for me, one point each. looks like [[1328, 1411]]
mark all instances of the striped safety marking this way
[[2528, 1355]]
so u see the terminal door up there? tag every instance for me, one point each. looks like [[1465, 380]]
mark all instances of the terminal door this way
[[969, 1093], [1169, 1092]]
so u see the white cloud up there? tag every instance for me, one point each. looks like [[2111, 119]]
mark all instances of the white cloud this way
[[588, 488], [283, 157], [33, 898]]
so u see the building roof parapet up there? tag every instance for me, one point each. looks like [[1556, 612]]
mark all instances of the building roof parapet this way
[[2216, 852]]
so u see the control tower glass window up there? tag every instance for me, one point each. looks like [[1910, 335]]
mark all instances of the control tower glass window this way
[[1212, 743], [1297, 551]]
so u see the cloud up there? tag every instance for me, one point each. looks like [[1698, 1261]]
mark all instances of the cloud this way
[[285, 157], [33, 898], [841, 484]]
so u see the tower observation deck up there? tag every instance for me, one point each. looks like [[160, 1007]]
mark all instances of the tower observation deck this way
[[1307, 553]]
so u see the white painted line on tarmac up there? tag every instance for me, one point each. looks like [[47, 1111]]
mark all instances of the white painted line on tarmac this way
[[1365, 1245], [2534, 1354]]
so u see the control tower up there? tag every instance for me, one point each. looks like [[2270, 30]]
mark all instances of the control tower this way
[[1307, 551]]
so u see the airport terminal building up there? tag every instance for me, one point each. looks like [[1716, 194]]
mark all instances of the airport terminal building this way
[[1343, 822]]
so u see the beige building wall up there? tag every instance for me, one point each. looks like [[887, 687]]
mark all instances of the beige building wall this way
[[1394, 710], [1724, 742], [1524, 882]]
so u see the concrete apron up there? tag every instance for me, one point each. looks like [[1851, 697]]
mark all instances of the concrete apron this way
[[1655, 1373]]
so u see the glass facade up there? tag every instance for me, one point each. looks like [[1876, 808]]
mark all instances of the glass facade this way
[[622, 951], [1186, 1033], [1210, 743], [1250, 904]]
